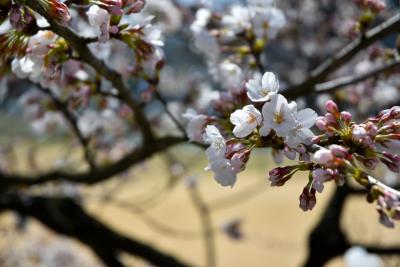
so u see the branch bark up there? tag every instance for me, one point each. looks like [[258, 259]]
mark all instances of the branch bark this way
[[327, 239], [93, 176], [67, 217]]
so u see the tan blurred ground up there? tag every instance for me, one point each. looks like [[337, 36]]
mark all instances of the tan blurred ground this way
[[275, 229]]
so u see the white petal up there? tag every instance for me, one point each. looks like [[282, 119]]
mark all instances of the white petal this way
[[270, 82], [306, 117]]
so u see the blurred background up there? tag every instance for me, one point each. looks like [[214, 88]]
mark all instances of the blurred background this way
[[169, 201]]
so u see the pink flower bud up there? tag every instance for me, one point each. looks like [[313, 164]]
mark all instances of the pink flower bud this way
[[323, 156], [289, 153], [280, 175], [370, 163], [320, 123], [371, 128], [338, 151], [59, 11], [113, 6], [136, 6], [331, 107], [308, 199], [239, 160], [345, 116], [358, 133], [330, 119]]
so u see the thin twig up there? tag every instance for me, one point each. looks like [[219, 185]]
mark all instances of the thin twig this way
[[352, 79], [62, 107], [342, 57], [208, 231], [169, 113]]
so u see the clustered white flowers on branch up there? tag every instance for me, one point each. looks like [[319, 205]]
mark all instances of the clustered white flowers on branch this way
[[250, 112], [267, 119], [236, 37]]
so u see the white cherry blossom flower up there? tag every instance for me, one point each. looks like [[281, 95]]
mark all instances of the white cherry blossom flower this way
[[217, 143], [152, 33], [224, 173], [267, 21], [245, 120], [230, 75], [278, 116], [195, 126], [323, 156], [203, 16], [359, 257], [101, 18], [301, 133], [260, 89], [238, 20]]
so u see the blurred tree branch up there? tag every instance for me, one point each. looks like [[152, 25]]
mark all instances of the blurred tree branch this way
[[343, 56], [80, 45], [67, 217], [352, 79], [92, 176], [62, 107]]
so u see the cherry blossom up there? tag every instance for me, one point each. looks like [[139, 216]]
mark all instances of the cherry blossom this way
[[278, 116], [217, 143], [260, 89], [245, 120], [100, 18], [301, 133]]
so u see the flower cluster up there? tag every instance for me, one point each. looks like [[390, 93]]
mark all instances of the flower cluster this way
[[261, 117], [253, 26], [270, 120]]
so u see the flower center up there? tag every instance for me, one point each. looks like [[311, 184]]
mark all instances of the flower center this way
[[264, 91], [219, 144], [251, 118], [279, 118]]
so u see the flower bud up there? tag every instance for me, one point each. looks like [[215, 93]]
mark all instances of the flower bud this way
[[323, 156], [308, 199], [371, 128], [280, 175], [331, 107], [359, 133], [338, 151], [59, 11], [345, 116], [320, 123]]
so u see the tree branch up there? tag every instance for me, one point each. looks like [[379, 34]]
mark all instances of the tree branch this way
[[73, 123], [93, 176], [208, 231], [343, 56], [66, 217], [382, 250], [352, 79], [80, 45]]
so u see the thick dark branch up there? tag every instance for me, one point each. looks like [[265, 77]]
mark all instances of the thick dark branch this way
[[382, 250], [93, 176], [66, 217], [327, 240], [388, 27], [62, 107], [80, 45], [352, 79]]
